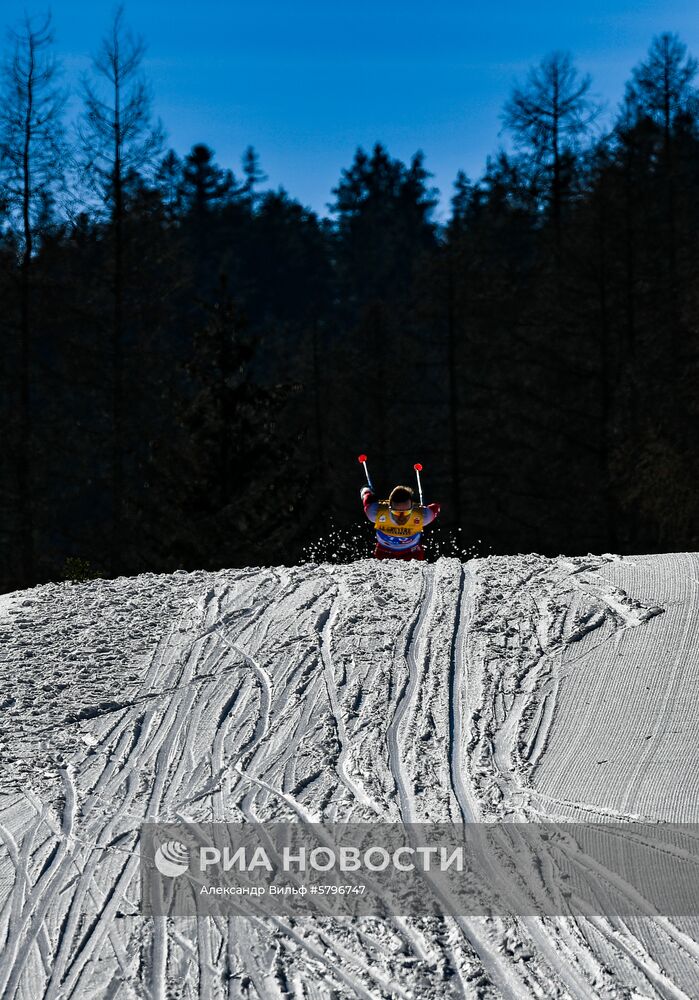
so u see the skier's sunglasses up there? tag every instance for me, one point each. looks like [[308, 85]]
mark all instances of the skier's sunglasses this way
[[406, 511]]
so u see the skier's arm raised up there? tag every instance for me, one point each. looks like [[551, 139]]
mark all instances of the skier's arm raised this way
[[371, 507], [430, 512]]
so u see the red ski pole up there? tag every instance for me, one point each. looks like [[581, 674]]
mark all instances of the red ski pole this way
[[418, 470], [362, 460]]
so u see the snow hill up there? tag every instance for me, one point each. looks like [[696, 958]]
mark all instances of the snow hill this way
[[503, 688]]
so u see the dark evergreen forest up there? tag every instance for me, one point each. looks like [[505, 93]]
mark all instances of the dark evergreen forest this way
[[192, 362]]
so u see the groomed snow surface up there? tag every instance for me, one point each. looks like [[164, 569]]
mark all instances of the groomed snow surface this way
[[518, 688]]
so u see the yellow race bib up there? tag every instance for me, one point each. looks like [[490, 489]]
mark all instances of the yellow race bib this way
[[384, 522]]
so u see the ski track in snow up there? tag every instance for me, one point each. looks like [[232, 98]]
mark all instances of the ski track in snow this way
[[508, 688]]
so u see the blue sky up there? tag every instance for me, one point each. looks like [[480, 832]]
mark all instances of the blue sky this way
[[307, 82]]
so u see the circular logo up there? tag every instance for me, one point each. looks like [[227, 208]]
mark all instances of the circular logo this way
[[172, 858]]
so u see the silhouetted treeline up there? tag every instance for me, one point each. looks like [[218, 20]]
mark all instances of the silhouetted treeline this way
[[191, 362]]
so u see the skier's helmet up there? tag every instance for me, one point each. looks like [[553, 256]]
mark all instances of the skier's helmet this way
[[401, 499]]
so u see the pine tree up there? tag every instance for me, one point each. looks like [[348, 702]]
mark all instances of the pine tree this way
[[254, 175], [32, 161], [661, 89], [230, 496], [169, 181], [117, 138], [205, 185], [547, 116], [384, 222], [661, 86]]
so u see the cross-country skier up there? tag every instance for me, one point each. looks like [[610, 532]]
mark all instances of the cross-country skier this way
[[399, 522]]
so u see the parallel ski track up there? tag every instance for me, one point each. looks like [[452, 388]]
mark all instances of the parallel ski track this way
[[324, 626], [411, 640]]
